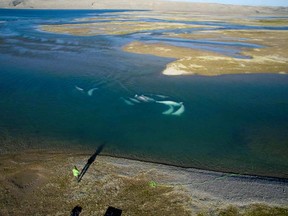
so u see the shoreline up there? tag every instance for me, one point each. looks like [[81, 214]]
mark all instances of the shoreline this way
[[121, 159], [89, 150], [77, 149], [249, 176], [36, 175]]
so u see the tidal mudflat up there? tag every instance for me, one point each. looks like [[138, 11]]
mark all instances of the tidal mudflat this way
[[269, 57], [266, 53]]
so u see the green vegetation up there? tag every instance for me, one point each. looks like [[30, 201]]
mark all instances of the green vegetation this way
[[250, 210], [42, 183], [229, 211], [254, 210]]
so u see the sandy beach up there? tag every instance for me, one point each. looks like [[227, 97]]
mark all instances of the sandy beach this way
[[41, 182]]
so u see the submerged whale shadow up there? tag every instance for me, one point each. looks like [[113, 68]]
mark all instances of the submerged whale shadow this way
[[90, 161]]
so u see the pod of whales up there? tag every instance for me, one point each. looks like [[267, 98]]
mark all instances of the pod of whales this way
[[174, 108], [172, 105]]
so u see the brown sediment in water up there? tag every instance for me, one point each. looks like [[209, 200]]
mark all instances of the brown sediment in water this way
[[272, 58], [41, 182]]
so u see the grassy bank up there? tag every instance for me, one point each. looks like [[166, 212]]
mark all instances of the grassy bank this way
[[41, 183]]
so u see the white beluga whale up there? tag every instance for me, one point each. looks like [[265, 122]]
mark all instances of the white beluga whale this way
[[172, 105], [144, 98], [162, 96], [137, 99], [128, 102], [90, 91], [169, 111], [180, 111], [79, 89], [134, 100]]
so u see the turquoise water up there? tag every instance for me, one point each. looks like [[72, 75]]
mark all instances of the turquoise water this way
[[232, 123]]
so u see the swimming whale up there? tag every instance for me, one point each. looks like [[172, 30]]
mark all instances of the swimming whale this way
[[79, 89], [134, 100], [162, 96], [90, 92], [179, 111], [169, 111], [144, 98], [170, 103], [127, 102]]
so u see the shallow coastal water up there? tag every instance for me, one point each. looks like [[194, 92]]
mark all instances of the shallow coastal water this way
[[233, 123]]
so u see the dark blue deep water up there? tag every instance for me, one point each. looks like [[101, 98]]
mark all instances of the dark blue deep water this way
[[232, 123]]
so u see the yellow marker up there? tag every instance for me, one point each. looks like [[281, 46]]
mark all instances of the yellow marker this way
[[75, 171]]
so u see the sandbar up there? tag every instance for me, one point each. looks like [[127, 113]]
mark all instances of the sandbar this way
[[112, 28], [271, 58]]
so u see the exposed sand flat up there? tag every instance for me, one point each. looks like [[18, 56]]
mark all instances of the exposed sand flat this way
[[272, 58], [112, 28], [28, 178], [283, 21]]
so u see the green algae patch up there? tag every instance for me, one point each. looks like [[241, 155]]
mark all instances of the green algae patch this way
[[272, 58]]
